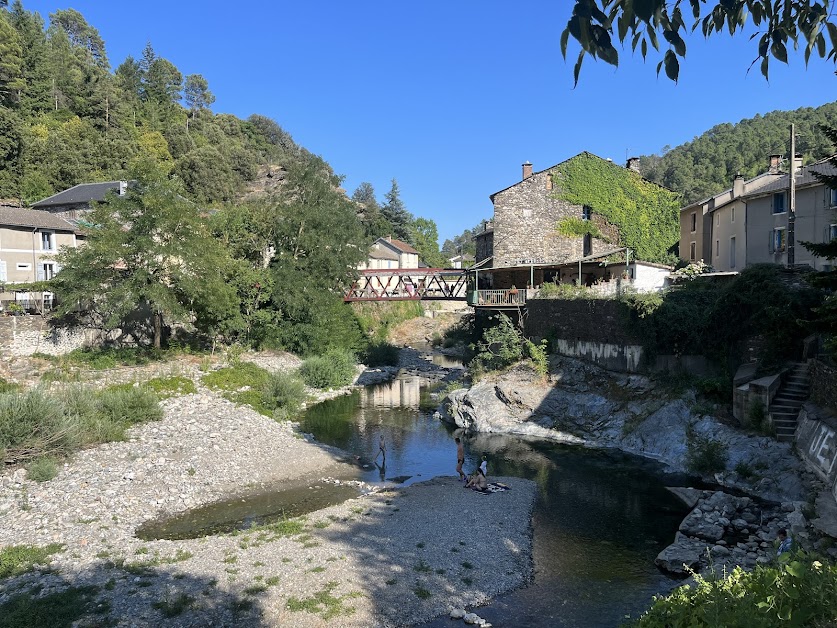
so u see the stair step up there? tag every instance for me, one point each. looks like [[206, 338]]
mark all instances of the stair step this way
[[787, 401]]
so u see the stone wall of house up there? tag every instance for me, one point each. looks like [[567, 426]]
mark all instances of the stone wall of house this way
[[824, 384], [25, 335], [525, 219], [485, 245]]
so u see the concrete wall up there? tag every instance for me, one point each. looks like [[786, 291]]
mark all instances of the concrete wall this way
[[729, 222], [699, 235], [816, 441], [824, 385], [649, 278], [613, 357], [753, 393]]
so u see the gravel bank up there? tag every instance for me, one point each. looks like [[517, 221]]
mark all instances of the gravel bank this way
[[390, 558]]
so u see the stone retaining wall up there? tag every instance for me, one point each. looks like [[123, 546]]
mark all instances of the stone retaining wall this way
[[25, 335], [816, 440], [824, 384], [593, 320]]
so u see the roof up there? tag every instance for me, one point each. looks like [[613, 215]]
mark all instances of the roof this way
[[80, 194], [804, 177], [721, 199], [584, 152], [398, 244], [34, 219], [381, 252]]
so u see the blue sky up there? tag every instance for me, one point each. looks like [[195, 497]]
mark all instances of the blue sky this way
[[449, 98]]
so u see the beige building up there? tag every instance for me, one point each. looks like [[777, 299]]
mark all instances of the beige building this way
[[388, 253], [29, 240], [714, 230]]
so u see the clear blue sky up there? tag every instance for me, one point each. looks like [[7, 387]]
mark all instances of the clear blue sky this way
[[447, 97]]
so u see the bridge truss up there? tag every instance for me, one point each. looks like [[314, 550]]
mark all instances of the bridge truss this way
[[405, 284]]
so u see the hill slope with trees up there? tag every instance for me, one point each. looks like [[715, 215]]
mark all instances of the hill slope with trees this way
[[708, 163]]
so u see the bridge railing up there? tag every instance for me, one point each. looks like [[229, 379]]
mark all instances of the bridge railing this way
[[488, 298]]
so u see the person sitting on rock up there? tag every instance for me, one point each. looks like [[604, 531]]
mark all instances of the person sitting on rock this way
[[785, 542]]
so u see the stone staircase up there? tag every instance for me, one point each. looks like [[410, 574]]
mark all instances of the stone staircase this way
[[784, 409]]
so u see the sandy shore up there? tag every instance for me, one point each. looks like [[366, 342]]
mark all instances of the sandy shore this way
[[390, 558]]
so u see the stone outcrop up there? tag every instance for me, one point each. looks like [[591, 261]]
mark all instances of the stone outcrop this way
[[583, 404]]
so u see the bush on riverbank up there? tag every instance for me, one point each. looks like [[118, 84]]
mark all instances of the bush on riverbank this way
[[277, 395], [284, 393], [334, 369], [381, 354], [36, 425], [798, 591]]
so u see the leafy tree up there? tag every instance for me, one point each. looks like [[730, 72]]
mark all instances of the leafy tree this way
[[82, 37], [196, 94], [35, 96], [396, 214], [425, 237], [11, 62], [318, 245], [207, 175], [462, 244], [148, 251], [596, 24], [370, 215]]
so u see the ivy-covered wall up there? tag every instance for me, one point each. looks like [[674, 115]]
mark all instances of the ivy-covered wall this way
[[645, 214]]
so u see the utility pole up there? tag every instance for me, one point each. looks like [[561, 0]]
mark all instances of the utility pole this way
[[792, 201]]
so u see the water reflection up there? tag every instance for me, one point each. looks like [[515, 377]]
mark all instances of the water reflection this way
[[599, 521]]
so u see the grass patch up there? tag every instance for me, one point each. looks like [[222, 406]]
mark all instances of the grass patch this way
[[277, 395], [704, 455], [467, 565], [255, 589], [18, 559], [42, 469], [422, 567], [467, 581], [57, 610], [172, 607], [6, 387], [323, 603], [174, 386], [272, 581], [422, 593]]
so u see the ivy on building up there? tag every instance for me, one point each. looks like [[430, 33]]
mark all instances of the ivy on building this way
[[646, 215], [573, 226]]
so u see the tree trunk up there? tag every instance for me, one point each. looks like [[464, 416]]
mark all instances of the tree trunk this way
[[158, 329]]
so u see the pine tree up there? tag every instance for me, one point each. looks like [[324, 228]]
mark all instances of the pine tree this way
[[396, 214], [370, 215], [11, 63]]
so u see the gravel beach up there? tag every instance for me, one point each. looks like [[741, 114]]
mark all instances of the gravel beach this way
[[392, 557]]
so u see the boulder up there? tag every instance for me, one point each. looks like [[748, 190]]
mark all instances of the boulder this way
[[680, 556], [457, 613], [698, 526], [472, 619], [688, 496]]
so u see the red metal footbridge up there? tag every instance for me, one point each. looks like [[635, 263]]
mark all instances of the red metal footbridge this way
[[409, 284]]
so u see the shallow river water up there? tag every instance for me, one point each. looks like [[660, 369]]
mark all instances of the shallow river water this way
[[599, 520]]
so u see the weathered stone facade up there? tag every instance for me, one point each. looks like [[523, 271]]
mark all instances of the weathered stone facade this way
[[824, 384], [25, 335], [484, 241], [525, 219]]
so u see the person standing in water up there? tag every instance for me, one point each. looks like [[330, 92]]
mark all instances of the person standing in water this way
[[460, 458], [381, 449]]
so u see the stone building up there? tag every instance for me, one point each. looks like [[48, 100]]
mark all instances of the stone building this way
[[522, 245]]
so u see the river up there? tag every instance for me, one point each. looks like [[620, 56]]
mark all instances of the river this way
[[599, 521]]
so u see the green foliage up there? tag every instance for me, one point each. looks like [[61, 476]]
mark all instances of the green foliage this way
[[704, 455], [646, 214], [381, 354], [551, 290], [283, 393], [18, 559], [54, 610], [377, 319], [537, 353], [174, 386], [692, 271], [42, 469], [172, 607], [129, 406], [425, 237], [235, 377], [798, 591], [500, 346], [323, 603], [707, 164], [396, 214], [334, 369], [597, 26], [575, 227]]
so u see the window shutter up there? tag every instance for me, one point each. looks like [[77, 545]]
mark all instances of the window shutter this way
[[3, 276], [825, 235], [772, 246], [41, 273], [56, 268]]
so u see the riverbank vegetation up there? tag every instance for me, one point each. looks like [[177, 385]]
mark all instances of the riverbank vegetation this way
[[799, 590]]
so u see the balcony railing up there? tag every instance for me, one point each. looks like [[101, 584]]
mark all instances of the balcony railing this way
[[497, 298]]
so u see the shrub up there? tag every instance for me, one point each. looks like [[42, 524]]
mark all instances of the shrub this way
[[334, 369], [42, 469], [798, 591], [705, 455], [236, 377], [18, 559], [758, 416], [283, 394], [500, 346], [381, 354], [551, 290], [165, 387], [8, 386], [130, 406], [537, 353], [33, 424]]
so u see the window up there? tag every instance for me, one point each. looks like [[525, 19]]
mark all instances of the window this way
[[586, 212], [732, 252], [46, 241], [24, 266], [694, 224], [49, 271], [779, 203], [588, 245], [778, 240], [549, 182], [717, 248], [832, 197], [832, 233], [692, 251], [732, 215]]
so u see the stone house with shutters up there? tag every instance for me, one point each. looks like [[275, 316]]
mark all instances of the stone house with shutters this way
[[29, 240], [522, 247]]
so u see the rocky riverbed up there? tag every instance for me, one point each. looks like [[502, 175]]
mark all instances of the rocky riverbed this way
[[394, 556]]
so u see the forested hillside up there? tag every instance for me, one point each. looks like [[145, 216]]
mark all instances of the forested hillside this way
[[66, 118], [707, 164]]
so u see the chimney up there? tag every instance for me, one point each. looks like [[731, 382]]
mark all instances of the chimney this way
[[123, 187], [527, 170], [633, 164], [738, 185], [775, 163], [797, 162]]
